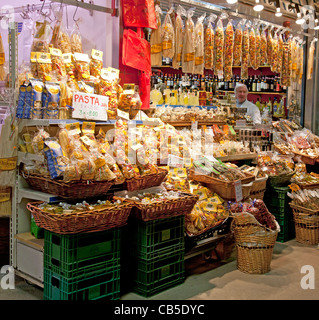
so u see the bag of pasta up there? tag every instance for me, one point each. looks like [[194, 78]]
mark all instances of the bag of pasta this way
[[199, 45], [87, 168], [72, 172], [209, 42], [58, 66], [219, 47], [252, 48], [275, 54], [311, 54], [258, 46], [269, 46], [245, 54], [41, 39], [60, 37], [179, 36], [96, 63], [238, 42], [229, 46], [188, 54], [82, 66], [168, 36], [156, 39], [263, 48], [280, 53], [76, 39], [44, 66]]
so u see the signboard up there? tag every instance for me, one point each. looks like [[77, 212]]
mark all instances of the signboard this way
[[90, 106]]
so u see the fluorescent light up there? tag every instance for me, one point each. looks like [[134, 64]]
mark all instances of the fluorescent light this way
[[258, 7], [231, 1], [300, 21]]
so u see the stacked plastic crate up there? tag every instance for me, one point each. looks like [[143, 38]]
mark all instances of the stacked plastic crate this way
[[154, 255], [277, 202], [83, 266]]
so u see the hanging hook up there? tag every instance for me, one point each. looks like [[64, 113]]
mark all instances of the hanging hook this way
[[77, 6]]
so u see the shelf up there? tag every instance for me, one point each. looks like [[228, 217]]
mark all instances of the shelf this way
[[235, 157], [266, 66], [36, 195], [26, 156], [253, 92], [28, 239], [199, 123]]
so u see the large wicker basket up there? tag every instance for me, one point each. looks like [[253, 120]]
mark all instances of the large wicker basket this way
[[146, 181], [70, 190], [225, 189], [306, 224], [84, 222], [254, 244], [280, 180], [163, 209]]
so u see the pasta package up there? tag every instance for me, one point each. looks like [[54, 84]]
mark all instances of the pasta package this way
[[57, 61], [156, 39], [69, 65], [275, 54], [82, 65], [238, 43], [168, 36], [188, 61], [300, 64], [44, 66], [179, 36], [310, 62], [51, 100], [199, 45], [229, 46], [294, 59], [285, 74], [40, 41], [280, 53], [263, 48], [269, 46], [219, 48], [252, 49], [209, 42], [36, 100], [60, 38], [258, 46], [245, 54], [76, 39], [96, 63]]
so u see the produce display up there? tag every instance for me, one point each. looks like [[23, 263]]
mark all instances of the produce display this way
[[274, 164], [305, 198]]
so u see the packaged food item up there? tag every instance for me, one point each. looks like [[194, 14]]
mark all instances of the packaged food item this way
[[168, 36], [245, 54], [310, 62], [275, 54], [199, 45], [269, 46], [60, 38], [96, 63], [238, 39], [44, 66], [252, 48], [229, 47], [280, 53], [40, 41], [294, 59], [87, 168], [258, 47], [69, 65], [188, 59], [129, 100], [285, 74], [263, 48], [219, 47], [300, 64], [209, 42], [57, 61], [179, 36], [82, 66], [156, 39], [38, 140], [36, 100], [76, 39], [71, 172], [51, 100]]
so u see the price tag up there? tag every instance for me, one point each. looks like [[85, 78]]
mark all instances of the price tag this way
[[174, 161], [238, 191], [123, 114], [194, 125], [90, 106]]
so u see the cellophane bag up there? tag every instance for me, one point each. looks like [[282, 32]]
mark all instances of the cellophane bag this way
[[209, 42], [280, 53], [188, 61], [238, 43], [275, 54], [285, 72], [156, 40], [219, 47], [76, 39], [263, 48], [179, 36], [310, 62], [294, 57], [300, 65], [252, 48], [60, 37], [199, 45], [269, 46], [168, 36], [245, 54], [258, 46], [228, 55]]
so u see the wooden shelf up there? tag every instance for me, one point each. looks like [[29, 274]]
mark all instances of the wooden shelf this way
[[199, 123], [237, 157], [28, 239], [253, 92]]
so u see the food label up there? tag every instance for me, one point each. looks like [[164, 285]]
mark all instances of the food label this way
[[156, 48], [122, 114], [5, 196], [189, 57], [81, 57], [238, 190], [199, 60], [167, 45], [43, 57], [90, 106], [56, 52], [7, 164], [67, 57], [97, 55]]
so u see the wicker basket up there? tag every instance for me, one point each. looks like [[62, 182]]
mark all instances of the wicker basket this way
[[223, 188], [84, 222], [280, 180], [70, 190], [163, 209], [306, 224], [146, 181], [254, 244]]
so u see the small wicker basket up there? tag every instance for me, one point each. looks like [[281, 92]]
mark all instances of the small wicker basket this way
[[306, 224], [254, 244]]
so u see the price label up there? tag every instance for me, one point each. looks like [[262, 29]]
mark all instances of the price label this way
[[90, 106], [238, 190], [174, 161], [122, 114]]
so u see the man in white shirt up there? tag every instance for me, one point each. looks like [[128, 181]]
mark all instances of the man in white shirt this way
[[241, 93]]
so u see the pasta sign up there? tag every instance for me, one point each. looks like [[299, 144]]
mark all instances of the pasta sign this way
[[90, 106]]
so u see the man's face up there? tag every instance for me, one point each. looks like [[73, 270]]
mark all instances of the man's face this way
[[241, 94]]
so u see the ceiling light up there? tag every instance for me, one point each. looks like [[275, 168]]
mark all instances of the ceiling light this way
[[316, 27], [231, 1], [300, 21], [278, 13], [258, 7]]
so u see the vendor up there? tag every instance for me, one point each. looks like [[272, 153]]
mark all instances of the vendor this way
[[241, 93]]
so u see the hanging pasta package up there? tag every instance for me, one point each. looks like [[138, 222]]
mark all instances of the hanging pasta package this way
[[96, 62], [229, 46], [252, 48], [245, 54], [285, 75], [188, 61], [168, 36], [60, 38], [219, 48], [263, 48], [280, 53], [199, 45], [76, 39], [300, 64], [310, 62], [269, 46], [209, 42], [41, 38], [179, 34], [58, 65], [156, 40], [258, 46], [275, 54], [294, 57], [238, 43]]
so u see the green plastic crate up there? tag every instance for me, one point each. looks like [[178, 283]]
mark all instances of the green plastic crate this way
[[102, 285], [36, 231], [277, 197], [66, 254], [151, 236], [287, 227]]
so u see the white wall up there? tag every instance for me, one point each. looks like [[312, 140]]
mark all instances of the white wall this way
[[99, 31]]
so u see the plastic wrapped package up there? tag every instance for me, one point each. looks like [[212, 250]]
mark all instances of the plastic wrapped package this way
[[60, 38], [156, 40], [300, 64], [96, 63], [179, 36], [69, 65], [280, 53], [76, 39], [285, 74], [209, 42], [310, 62], [168, 36], [252, 48], [263, 48], [275, 54], [229, 47], [294, 59], [269, 46], [82, 66], [258, 47], [188, 55], [58, 66], [238, 43], [219, 48], [245, 54], [44, 66], [41, 38], [199, 45]]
